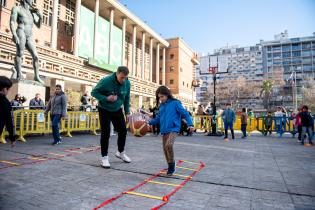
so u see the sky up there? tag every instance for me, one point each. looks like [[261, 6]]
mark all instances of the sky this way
[[206, 25]]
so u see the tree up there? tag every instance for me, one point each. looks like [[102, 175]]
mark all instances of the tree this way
[[266, 93], [308, 92]]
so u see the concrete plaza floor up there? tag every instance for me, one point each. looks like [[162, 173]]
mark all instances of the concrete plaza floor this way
[[256, 173]]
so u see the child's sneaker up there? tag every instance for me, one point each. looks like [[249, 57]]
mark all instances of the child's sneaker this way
[[171, 169]]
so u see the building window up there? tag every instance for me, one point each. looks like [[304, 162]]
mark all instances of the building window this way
[[3, 3], [181, 69], [296, 54], [161, 57], [160, 69], [160, 82], [286, 54], [296, 46], [69, 22], [183, 83], [68, 29], [47, 12], [286, 47], [172, 68], [306, 46], [171, 82], [172, 56]]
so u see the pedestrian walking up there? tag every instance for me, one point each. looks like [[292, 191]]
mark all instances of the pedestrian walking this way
[[229, 118], [244, 118], [57, 106], [6, 118]]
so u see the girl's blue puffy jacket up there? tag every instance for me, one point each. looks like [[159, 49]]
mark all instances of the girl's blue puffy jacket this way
[[170, 115]]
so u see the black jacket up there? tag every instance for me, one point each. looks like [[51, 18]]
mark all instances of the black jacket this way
[[306, 119], [6, 118]]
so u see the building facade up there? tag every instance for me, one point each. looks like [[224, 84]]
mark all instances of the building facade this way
[[237, 68], [180, 69], [280, 60], [296, 59], [81, 41]]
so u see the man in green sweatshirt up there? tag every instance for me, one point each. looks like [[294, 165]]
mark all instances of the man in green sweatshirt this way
[[113, 95]]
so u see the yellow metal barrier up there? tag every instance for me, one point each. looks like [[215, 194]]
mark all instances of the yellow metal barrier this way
[[35, 122], [203, 122]]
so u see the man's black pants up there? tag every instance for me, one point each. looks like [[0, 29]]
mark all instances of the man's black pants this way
[[118, 120]]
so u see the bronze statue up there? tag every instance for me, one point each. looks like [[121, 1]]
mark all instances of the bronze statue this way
[[25, 16]]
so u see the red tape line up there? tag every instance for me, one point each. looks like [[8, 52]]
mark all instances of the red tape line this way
[[44, 156]]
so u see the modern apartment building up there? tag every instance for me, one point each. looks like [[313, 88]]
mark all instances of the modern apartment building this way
[[282, 57]]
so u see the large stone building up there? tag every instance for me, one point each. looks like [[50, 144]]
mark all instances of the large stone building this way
[[180, 69], [81, 41]]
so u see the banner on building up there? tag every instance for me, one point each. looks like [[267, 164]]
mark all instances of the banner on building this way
[[86, 42]]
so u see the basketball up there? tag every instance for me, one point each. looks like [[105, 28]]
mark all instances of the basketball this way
[[139, 128]]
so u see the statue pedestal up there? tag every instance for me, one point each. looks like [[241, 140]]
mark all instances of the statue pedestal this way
[[27, 89]]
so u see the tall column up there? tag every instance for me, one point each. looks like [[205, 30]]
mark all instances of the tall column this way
[[54, 29], [111, 25], [151, 59], [143, 55], [140, 101], [151, 102], [86, 88], [76, 27], [163, 67], [157, 69], [123, 50], [54, 82], [96, 13], [134, 49]]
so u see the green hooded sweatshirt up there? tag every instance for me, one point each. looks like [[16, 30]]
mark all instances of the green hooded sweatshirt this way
[[110, 86]]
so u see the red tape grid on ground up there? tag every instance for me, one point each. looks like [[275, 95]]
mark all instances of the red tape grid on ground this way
[[43, 157], [165, 198]]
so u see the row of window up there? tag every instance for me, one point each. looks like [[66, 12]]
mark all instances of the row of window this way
[[171, 57], [306, 53], [289, 47]]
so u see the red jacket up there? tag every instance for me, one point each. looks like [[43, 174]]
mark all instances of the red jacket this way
[[298, 121]]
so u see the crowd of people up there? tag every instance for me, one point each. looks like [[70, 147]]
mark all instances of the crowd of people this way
[[169, 117]]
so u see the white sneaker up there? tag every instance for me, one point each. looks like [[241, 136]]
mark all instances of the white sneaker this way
[[123, 156], [105, 162]]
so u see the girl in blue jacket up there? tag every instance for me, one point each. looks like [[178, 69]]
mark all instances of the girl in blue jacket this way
[[169, 118]]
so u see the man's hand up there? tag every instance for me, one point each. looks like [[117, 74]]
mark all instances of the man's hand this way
[[191, 129], [112, 98], [127, 118], [16, 39]]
